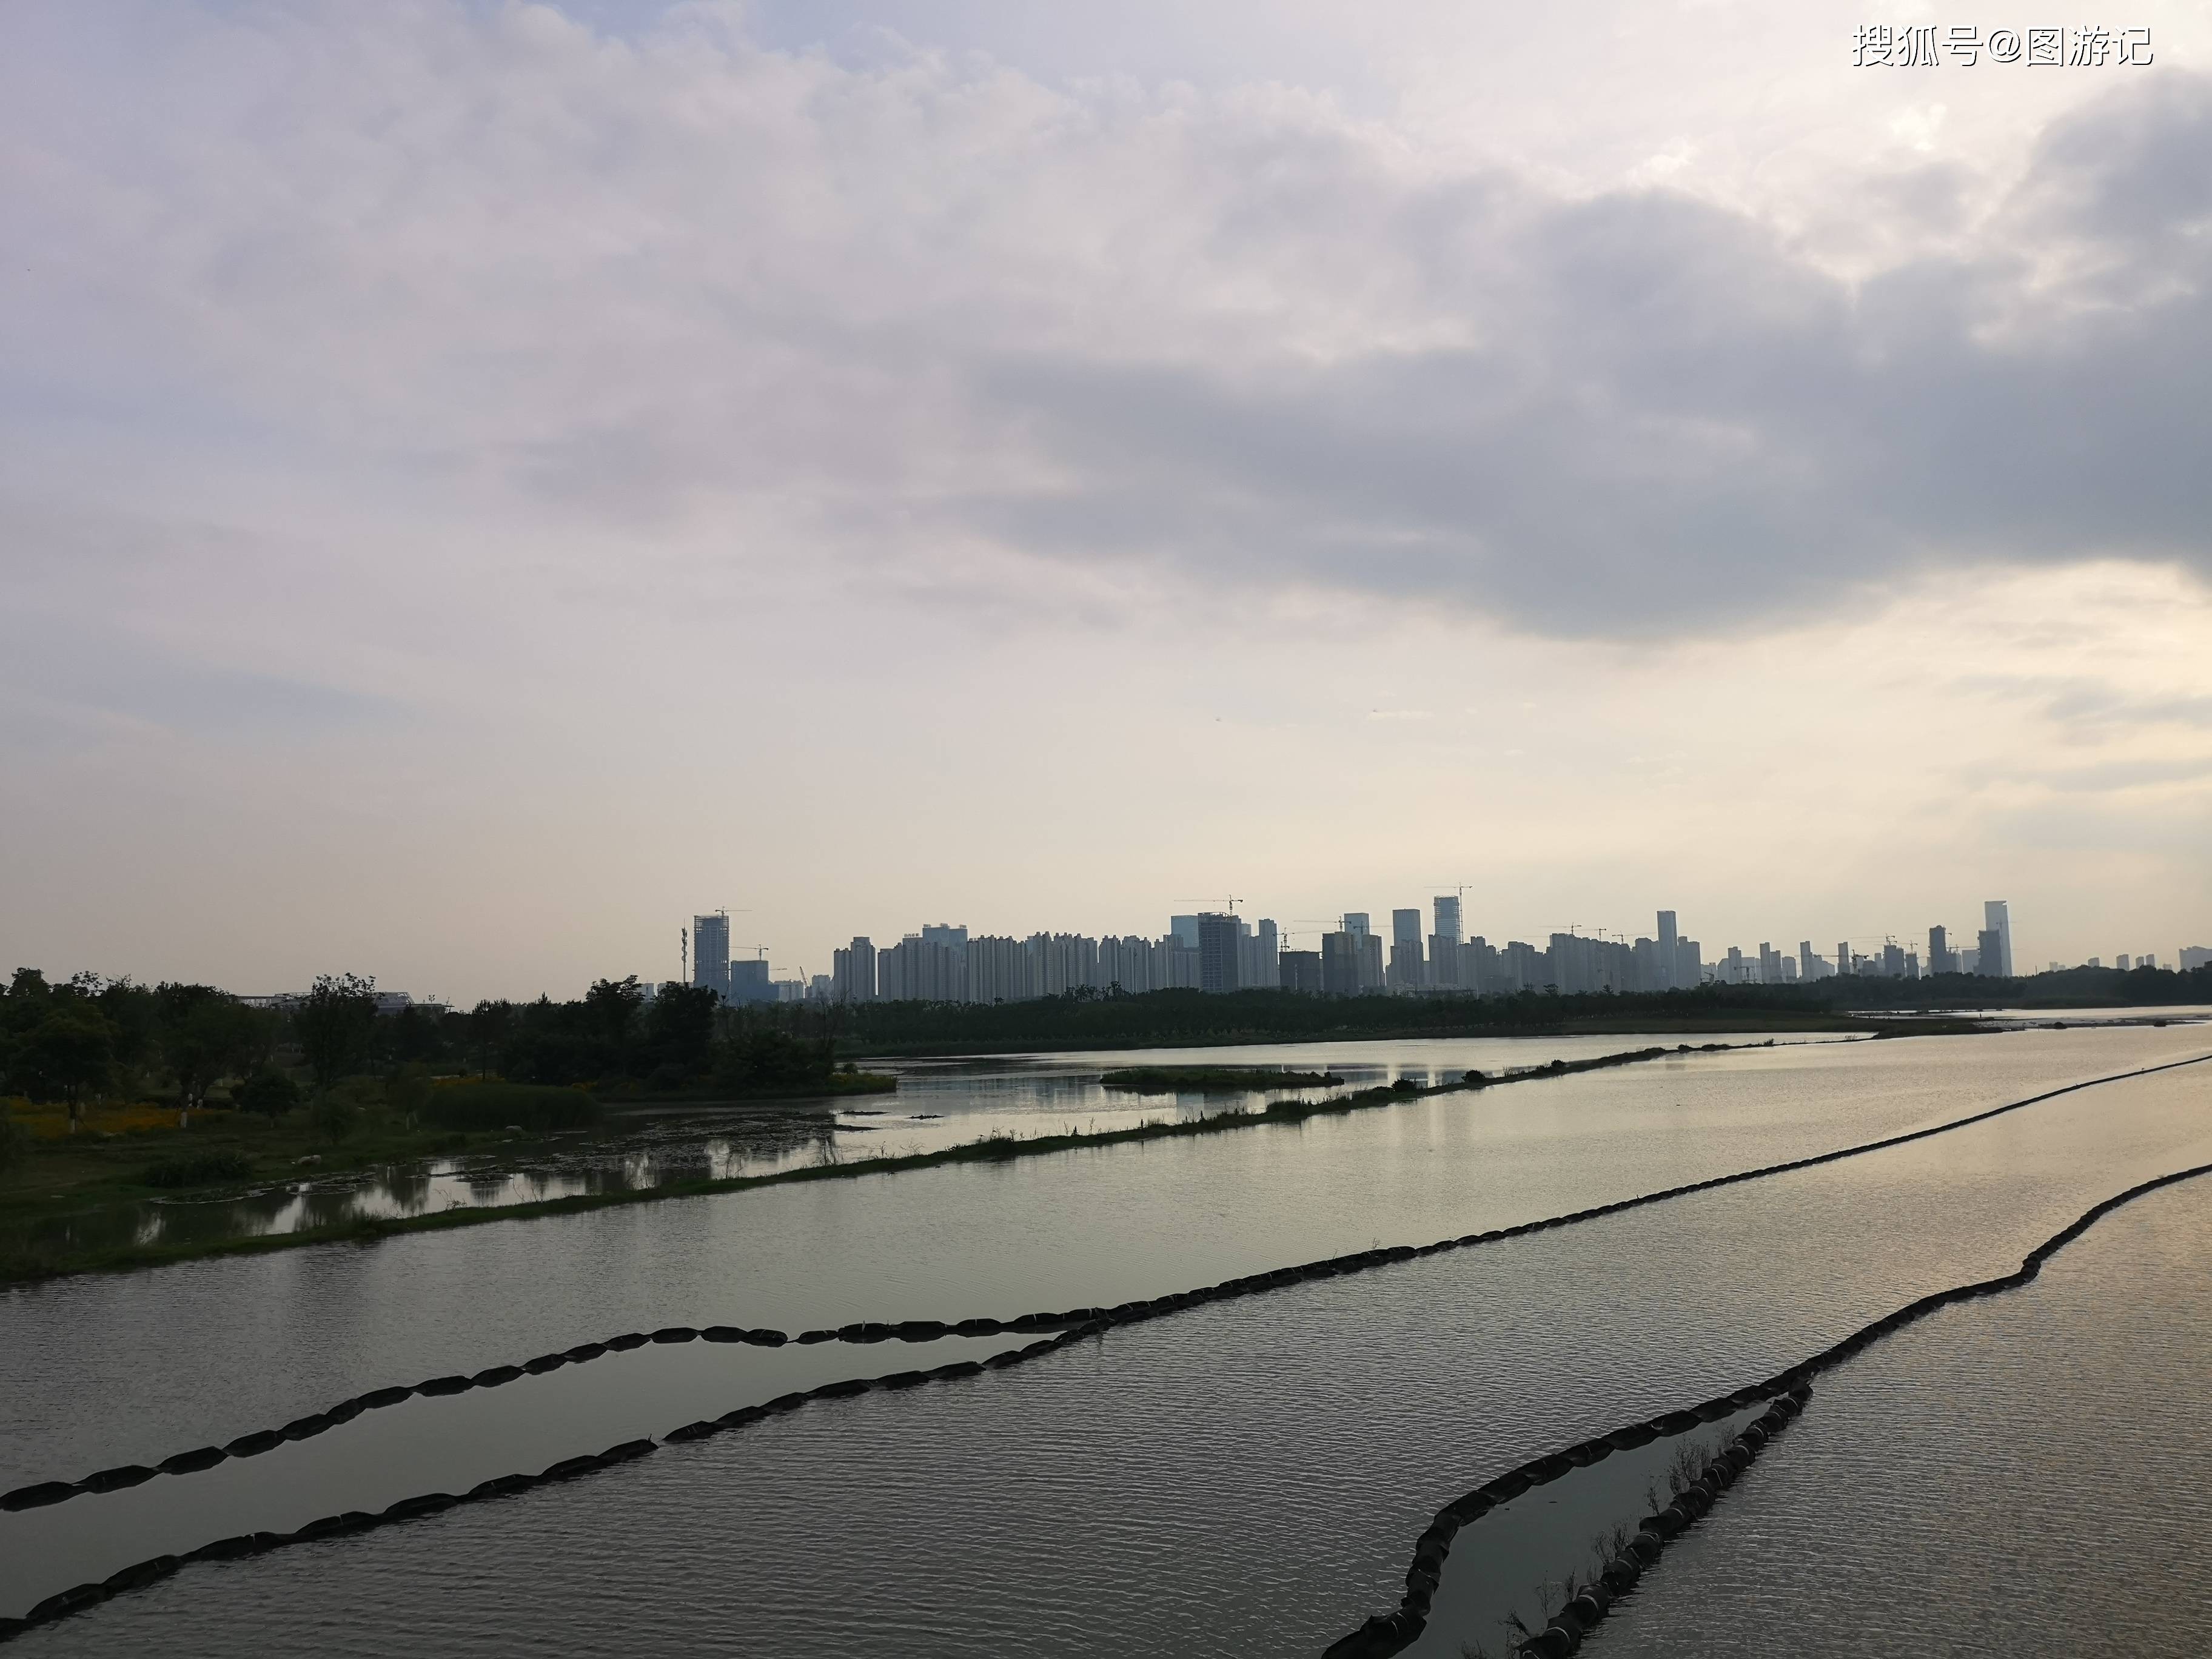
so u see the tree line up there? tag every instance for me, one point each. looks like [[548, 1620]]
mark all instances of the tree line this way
[[1092, 1019], [87, 1040]]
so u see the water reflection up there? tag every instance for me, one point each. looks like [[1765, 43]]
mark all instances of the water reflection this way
[[641, 1152], [939, 1104]]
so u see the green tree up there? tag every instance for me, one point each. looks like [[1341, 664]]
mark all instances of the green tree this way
[[336, 1026], [407, 1090], [679, 1026], [69, 1055], [610, 1008], [204, 1035], [269, 1091], [14, 1142], [335, 1116]]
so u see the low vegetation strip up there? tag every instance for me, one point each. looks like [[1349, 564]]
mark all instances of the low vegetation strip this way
[[1390, 1633], [992, 1149], [1161, 1079]]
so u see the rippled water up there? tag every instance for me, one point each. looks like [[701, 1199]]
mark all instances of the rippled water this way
[[430, 1443], [2028, 1473], [1246, 1477], [247, 1341], [1510, 1571]]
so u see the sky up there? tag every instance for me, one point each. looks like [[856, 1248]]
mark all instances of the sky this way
[[480, 482]]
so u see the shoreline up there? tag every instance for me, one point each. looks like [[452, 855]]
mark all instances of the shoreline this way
[[996, 1149]]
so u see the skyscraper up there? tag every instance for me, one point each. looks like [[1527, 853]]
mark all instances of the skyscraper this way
[[1257, 953], [1940, 959], [1220, 941], [1185, 931], [1989, 953], [1669, 958], [1405, 972], [710, 952], [1996, 919], [1339, 963], [1447, 910], [854, 975]]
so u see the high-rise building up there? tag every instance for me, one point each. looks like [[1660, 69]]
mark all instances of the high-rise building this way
[[1406, 972], [1220, 941], [1256, 956], [1669, 952], [1446, 906], [1844, 962], [1185, 930], [1988, 953], [853, 977], [944, 935], [1300, 970], [2194, 957], [1996, 919], [710, 952], [749, 981], [1339, 963], [1940, 959]]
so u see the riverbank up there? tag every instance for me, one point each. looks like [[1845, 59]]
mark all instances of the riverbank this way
[[1716, 1023], [23, 1265]]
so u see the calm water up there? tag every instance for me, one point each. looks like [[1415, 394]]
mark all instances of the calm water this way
[[2025, 1474], [939, 1103], [1244, 1478], [1510, 1571]]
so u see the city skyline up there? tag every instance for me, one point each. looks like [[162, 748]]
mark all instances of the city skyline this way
[[1219, 951], [959, 462]]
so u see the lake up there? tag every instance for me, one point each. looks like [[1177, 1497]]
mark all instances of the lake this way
[[1243, 1476]]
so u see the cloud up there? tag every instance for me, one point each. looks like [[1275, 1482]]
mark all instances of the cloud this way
[[922, 308]]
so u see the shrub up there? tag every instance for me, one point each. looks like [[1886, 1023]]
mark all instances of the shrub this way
[[198, 1169], [335, 1117], [14, 1142], [267, 1091], [495, 1105]]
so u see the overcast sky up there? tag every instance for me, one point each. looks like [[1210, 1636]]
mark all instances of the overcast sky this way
[[479, 483]]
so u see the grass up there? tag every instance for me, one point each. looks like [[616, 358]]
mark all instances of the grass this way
[[203, 1169], [128, 1153], [836, 1085], [1159, 1079], [489, 1105], [382, 1146]]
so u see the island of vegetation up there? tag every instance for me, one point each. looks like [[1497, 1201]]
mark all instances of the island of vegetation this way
[[1214, 1079], [112, 1093]]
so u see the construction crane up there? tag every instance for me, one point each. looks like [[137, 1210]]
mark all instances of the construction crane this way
[[1228, 904]]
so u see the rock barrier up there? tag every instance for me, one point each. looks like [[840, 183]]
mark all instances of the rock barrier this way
[[1390, 1633]]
